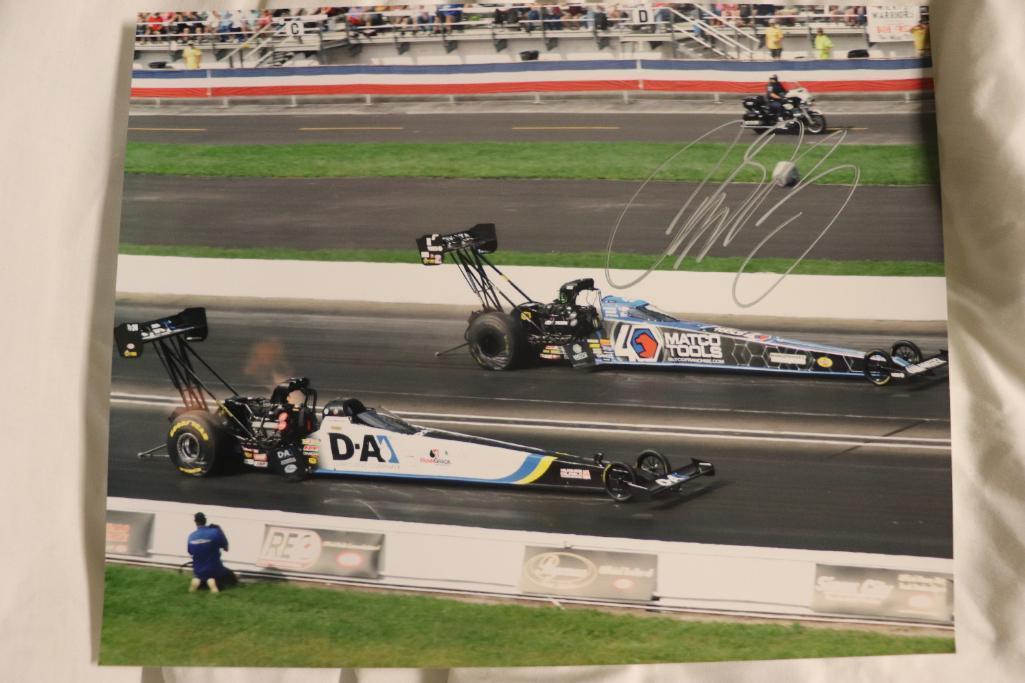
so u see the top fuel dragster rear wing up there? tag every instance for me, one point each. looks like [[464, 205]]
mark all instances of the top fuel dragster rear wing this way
[[480, 239], [131, 337], [468, 250], [170, 337]]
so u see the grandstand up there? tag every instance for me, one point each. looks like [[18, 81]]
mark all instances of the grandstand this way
[[511, 32]]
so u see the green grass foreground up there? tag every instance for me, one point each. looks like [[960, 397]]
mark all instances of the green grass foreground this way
[[596, 260], [879, 164], [150, 619]]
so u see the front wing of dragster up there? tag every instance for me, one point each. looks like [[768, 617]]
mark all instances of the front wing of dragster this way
[[674, 480]]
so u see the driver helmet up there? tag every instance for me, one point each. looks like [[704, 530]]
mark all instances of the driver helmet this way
[[774, 78]]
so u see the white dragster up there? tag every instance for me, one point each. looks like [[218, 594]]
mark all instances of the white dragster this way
[[210, 435], [356, 440]]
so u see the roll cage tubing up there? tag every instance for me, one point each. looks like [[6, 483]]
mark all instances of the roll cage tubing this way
[[473, 265], [176, 356]]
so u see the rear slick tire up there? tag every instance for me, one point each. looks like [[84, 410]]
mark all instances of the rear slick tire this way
[[496, 341], [197, 444]]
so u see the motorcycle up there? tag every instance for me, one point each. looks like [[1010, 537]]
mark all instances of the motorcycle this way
[[797, 110]]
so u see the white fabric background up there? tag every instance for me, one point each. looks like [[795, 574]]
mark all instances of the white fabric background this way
[[63, 112]]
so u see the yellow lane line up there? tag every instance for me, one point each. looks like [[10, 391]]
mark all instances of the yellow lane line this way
[[355, 128], [171, 130], [565, 128]]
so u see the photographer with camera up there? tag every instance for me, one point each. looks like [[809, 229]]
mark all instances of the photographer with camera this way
[[205, 545]]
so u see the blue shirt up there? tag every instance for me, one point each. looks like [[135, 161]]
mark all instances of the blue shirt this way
[[205, 545]]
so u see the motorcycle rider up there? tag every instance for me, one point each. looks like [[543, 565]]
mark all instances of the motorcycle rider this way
[[775, 95]]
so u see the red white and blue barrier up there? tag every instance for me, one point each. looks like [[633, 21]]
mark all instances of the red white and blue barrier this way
[[711, 76]]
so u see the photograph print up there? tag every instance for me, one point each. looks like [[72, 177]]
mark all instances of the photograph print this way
[[433, 320]]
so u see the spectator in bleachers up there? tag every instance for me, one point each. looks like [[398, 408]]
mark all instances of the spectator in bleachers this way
[[224, 26], [154, 26], [213, 21], [192, 56], [451, 14], [354, 17], [774, 40], [618, 17], [823, 45], [662, 16], [920, 37], [401, 22], [424, 22], [744, 14], [532, 19], [573, 17], [264, 21], [764, 13], [552, 17]]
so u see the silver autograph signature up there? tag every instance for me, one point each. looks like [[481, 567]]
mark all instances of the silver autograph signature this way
[[713, 219]]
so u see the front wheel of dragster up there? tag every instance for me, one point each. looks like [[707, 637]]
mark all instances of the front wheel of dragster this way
[[496, 340], [197, 444], [877, 367], [816, 123], [907, 350], [617, 479], [654, 463]]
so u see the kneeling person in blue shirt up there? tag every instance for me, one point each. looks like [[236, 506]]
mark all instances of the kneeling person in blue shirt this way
[[205, 545]]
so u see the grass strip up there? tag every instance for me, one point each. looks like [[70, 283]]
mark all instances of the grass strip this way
[[879, 164], [595, 260], [150, 619]]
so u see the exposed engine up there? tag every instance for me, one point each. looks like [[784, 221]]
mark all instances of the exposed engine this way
[[564, 320]]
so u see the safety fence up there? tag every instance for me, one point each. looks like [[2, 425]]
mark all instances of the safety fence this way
[[852, 76], [535, 565]]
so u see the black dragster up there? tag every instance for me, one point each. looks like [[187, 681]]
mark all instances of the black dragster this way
[[611, 330]]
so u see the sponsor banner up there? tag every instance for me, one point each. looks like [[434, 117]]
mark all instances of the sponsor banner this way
[[321, 551], [884, 593], [129, 533], [892, 23], [589, 573], [563, 76]]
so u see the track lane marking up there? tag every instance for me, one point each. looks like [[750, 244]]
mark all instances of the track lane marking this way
[[169, 130], [564, 128], [618, 406], [684, 434], [925, 443], [316, 129]]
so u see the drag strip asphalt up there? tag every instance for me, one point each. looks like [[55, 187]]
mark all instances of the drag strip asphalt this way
[[803, 463], [219, 128], [567, 216]]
